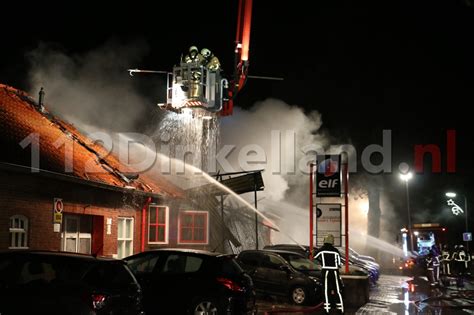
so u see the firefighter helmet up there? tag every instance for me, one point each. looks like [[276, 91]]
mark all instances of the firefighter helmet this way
[[193, 52], [206, 53], [329, 239]]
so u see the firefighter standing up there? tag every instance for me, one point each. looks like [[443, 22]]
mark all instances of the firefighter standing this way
[[461, 262], [446, 261], [210, 61], [196, 60], [429, 261], [436, 263], [330, 260], [193, 55]]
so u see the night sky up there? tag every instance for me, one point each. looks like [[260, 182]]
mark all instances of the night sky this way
[[407, 66]]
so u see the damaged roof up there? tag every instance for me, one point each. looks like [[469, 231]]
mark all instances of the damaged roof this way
[[22, 122], [239, 182]]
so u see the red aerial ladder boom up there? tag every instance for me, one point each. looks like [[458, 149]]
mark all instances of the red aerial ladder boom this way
[[242, 43], [196, 86]]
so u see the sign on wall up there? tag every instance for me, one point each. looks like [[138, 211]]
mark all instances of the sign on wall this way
[[58, 207], [467, 236], [328, 176], [328, 222]]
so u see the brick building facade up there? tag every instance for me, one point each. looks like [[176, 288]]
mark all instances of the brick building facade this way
[[107, 208]]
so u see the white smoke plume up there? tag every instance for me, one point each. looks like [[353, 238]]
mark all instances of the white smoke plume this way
[[296, 130], [92, 88], [94, 91]]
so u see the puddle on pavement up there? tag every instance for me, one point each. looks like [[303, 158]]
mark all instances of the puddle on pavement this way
[[419, 298]]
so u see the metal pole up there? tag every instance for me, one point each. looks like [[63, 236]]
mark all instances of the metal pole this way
[[410, 232], [256, 215], [222, 216], [467, 229], [311, 211], [346, 206]]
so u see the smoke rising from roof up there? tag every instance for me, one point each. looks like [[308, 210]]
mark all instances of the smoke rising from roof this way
[[92, 88], [294, 128]]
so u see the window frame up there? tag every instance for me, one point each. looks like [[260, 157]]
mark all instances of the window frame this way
[[206, 228], [13, 231], [124, 239], [157, 224]]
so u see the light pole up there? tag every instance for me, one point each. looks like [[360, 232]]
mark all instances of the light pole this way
[[451, 194], [406, 177]]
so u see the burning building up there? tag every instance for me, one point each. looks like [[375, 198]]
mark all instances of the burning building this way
[[59, 190]]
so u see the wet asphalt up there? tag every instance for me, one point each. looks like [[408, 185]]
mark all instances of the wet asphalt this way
[[395, 294]]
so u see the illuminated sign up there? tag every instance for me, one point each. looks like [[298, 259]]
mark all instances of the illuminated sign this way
[[454, 207], [467, 237], [328, 176]]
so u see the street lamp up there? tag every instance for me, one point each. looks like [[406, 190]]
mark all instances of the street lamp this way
[[451, 194], [406, 177]]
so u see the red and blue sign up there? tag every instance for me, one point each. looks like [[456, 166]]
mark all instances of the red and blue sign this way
[[328, 176]]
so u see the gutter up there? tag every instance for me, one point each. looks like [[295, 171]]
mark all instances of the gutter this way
[[73, 179]]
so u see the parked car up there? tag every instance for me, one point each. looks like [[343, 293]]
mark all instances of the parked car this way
[[301, 249], [354, 264], [313, 268], [42, 282], [369, 260], [273, 275], [181, 281]]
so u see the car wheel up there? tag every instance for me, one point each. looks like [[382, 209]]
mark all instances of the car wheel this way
[[298, 295], [205, 306]]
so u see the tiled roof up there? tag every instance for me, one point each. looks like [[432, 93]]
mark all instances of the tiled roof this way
[[20, 117]]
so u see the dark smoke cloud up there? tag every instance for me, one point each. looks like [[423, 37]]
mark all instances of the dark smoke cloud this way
[[92, 88]]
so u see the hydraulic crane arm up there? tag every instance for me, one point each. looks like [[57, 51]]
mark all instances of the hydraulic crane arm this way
[[242, 43]]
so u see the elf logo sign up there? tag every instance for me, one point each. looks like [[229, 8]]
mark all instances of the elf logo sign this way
[[328, 176]]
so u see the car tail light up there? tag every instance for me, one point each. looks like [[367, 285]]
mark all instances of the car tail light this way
[[98, 301], [229, 284]]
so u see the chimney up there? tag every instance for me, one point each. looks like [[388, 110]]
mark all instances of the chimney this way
[[41, 99]]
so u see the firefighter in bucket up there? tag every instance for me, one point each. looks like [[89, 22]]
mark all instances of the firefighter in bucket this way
[[195, 61], [330, 260]]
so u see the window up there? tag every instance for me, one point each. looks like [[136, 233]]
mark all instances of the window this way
[[178, 263], [272, 262], [144, 263], [18, 232], [229, 266], [125, 237], [300, 262], [158, 219], [109, 276], [250, 259], [193, 227]]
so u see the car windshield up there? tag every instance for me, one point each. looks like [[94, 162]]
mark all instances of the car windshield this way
[[299, 262]]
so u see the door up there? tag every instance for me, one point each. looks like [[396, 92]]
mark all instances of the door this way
[[77, 234], [275, 278]]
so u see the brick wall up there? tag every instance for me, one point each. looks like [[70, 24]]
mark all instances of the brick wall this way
[[32, 196]]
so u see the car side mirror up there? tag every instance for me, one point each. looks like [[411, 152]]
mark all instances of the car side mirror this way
[[285, 268]]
